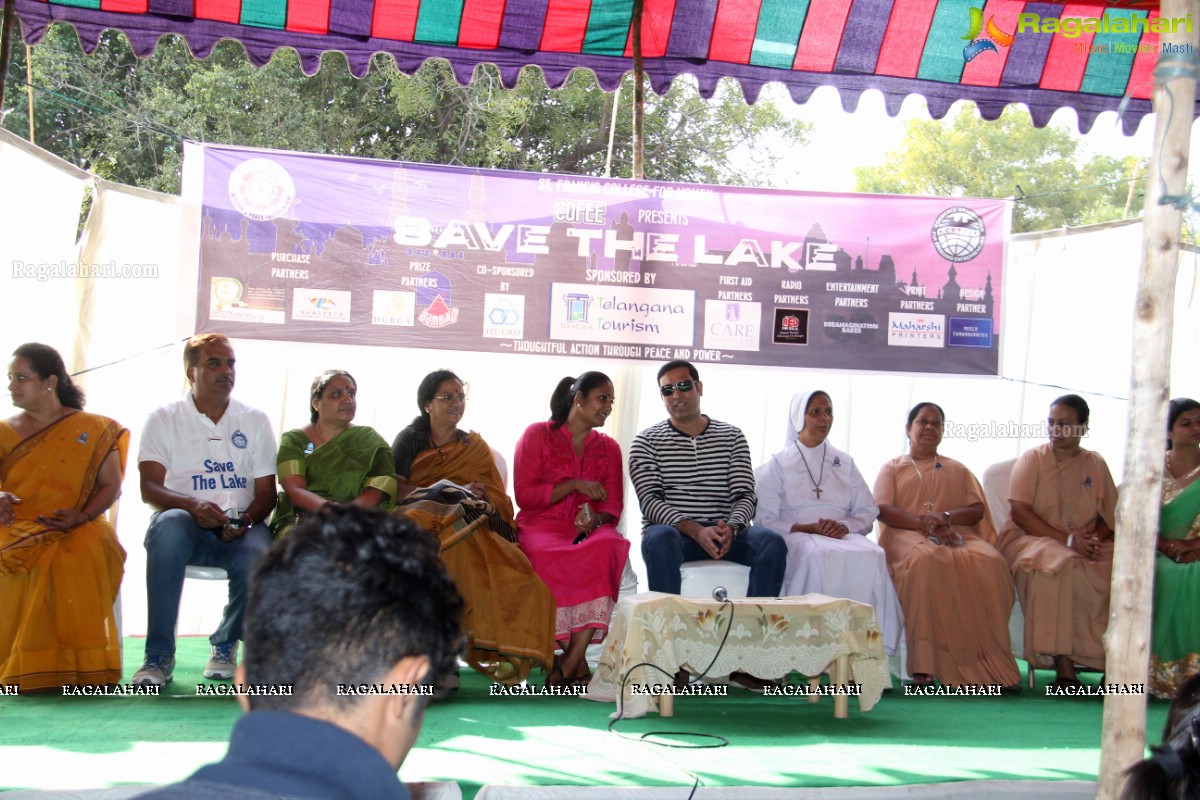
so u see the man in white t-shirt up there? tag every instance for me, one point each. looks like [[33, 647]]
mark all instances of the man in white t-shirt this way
[[207, 464]]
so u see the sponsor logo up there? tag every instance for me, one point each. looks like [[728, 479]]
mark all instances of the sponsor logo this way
[[393, 308], [791, 326], [635, 315], [503, 316], [436, 298], [321, 305], [261, 189], [969, 332], [731, 325], [229, 300], [916, 330], [958, 234]]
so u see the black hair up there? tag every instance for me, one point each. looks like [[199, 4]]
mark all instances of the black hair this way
[[425, 394], [1173, 769], [46, 361], [564, 394], [676, 364], [1176, 409], [1077, 403], [320, 383], [346, 594], [912, 415]]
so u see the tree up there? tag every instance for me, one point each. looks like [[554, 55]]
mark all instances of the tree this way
[[124, 119], [1043, 167]]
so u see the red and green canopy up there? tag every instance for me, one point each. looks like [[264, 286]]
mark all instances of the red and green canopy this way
[[1092, 56]]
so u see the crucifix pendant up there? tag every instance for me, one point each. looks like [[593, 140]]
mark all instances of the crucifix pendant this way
[[928, 506], [817, 489]]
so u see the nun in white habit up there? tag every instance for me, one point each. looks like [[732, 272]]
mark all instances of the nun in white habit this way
[[814, 495]]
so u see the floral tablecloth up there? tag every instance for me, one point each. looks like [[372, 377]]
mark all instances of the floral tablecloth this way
[[768, 637]]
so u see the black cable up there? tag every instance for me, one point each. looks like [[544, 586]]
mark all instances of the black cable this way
[[126, 358], [721, 740]]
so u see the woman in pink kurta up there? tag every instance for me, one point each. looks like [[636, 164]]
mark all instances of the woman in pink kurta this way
[[1058, 542], [954, 586], [569, 485]]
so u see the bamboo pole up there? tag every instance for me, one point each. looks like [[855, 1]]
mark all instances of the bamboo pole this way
[[1127, 642], [639, 90], [6, 32], [29, 87]]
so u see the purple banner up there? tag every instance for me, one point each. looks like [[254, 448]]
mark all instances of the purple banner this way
[[302, 247]]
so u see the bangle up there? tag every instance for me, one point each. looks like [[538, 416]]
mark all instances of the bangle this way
[[1070, 539], [946, 514]]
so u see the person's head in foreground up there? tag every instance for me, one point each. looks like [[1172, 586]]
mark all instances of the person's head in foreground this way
[[1173, 769], [351, 601]]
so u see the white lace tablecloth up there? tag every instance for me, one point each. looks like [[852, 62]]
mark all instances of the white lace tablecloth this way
[[768, 638]]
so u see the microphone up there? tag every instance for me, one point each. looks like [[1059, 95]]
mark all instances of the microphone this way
[[720, 595]]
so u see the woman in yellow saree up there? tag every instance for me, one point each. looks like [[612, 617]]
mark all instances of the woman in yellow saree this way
[[459, 496], [60, 563]]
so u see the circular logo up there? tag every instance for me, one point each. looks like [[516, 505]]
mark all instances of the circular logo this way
[[239, 440], [261, 189], [958, 234]]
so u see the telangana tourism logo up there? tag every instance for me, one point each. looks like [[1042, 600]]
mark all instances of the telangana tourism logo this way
[[1073, 28]]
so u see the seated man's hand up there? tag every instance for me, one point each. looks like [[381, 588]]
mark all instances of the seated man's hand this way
[[712, 542], [233, 530], [207, 514]]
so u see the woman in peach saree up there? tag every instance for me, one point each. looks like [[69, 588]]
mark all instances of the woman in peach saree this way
[[60, 563], [1058, 542], [955, 589]]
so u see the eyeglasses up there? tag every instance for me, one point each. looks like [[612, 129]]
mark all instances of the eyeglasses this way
[[669, 389], [446, 398]]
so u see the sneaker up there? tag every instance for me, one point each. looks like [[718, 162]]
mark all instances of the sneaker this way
[[155, 671], [222, 662]]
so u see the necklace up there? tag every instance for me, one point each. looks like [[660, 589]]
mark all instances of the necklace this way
[[438, 447], [928, 490], [817, 480], [1182, 479]]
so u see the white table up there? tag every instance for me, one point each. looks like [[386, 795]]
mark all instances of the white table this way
[[768, 638]]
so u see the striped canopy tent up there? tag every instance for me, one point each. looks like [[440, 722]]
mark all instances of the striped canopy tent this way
[[994, 53]]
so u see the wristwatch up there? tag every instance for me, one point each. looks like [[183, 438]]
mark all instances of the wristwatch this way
[[738, 528]]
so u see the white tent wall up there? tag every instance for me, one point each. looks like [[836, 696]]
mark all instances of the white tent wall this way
[[1067, 306]]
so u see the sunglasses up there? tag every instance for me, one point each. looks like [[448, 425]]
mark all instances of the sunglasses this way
[[669, 389]]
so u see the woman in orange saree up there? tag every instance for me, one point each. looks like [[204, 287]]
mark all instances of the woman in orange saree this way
[[60, 563], [458, 494]]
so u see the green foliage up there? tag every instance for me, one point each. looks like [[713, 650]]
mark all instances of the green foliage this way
[[1042, 167], [125, 119]]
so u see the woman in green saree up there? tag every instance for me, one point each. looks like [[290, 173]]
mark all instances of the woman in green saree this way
[[1175, 642], [330, 460]]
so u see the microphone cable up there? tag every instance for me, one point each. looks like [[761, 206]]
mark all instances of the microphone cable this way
[[720, 741]]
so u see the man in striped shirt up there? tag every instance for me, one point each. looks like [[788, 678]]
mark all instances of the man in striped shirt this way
[[695, 484]]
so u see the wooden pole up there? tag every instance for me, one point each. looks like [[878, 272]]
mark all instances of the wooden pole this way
[[10, 18], [29, 87], [1127, 642], [639, 90]]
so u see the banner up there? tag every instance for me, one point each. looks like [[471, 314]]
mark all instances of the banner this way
[[302, 247]]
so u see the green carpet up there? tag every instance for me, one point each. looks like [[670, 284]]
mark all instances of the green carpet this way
[[49, 741]]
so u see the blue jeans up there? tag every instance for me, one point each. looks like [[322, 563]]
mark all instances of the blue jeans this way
[[173, 541], [665, 549]]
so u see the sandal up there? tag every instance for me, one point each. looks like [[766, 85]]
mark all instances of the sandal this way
[[555, 676], [581, 680], [1067, 683]]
